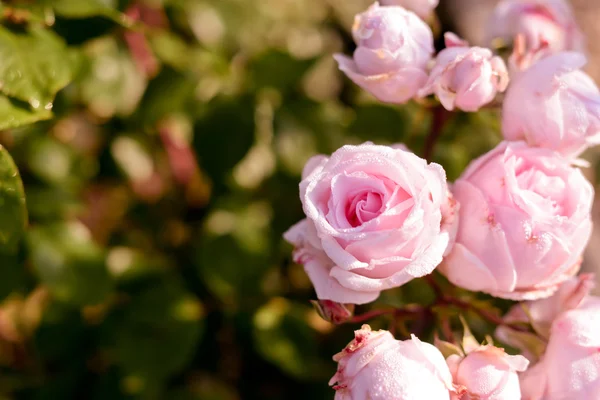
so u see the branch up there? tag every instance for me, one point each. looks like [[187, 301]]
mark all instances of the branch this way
[[395, 312], [485, 314], [440, 116]]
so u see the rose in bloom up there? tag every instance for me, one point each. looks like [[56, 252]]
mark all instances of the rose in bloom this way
[[377, 217], [570, 366], [393, 49], [487, 373], [544, 23], [465, 77], [375, 366], [554, 105], [423, 8], [523, 224]]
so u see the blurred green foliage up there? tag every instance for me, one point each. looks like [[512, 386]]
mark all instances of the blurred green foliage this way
[[157, 147]]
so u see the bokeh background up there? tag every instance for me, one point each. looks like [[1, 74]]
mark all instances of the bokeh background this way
[[152, 266]]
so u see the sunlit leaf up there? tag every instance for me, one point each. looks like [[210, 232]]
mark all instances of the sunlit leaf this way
[[88, 8], [13, 211], [34, 66]]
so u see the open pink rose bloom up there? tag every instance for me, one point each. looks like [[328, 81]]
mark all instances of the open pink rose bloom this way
[[376, 218], [523, 225]]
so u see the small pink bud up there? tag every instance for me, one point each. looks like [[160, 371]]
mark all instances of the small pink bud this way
[[554, 105], [375, 366], [393, 49], [465, 77], [333, 312], [423, 8], [487, 373]]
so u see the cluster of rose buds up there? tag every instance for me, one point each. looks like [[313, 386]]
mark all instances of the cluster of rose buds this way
[[514, 225]]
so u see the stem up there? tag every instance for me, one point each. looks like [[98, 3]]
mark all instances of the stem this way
[[396, 312], [440, 116], [447, 330], [485, 314]]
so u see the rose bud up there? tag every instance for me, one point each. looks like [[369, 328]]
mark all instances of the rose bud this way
[[423, 8], [570, 367], [393, 49], [524, 221], [465, 77], [547, 24], [377, 217], [375, 366], [333, 312], [487, 373], [553, 105]]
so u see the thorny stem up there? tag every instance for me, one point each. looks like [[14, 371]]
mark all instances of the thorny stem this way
[[485, 314], [426, 312], [395, 312], [443, 299]]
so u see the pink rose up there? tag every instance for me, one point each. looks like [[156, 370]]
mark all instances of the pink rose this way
[[465, 77], [423, 8], [375, 366], [393, 49], [553, 105], [546, 24], [377, 217], [487, 373], [570, 367], [523, 224]]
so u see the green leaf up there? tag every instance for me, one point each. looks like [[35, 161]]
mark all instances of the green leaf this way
[[158, 331], [233, 251], [35, 66], [446, 348], [224, 136], [279, 70], [283, 337], [13, 211], [14, 277], [88, 8], [111, 84], [380, 124], [12, 115], [67, 260], [27, 12], [205, 388]]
